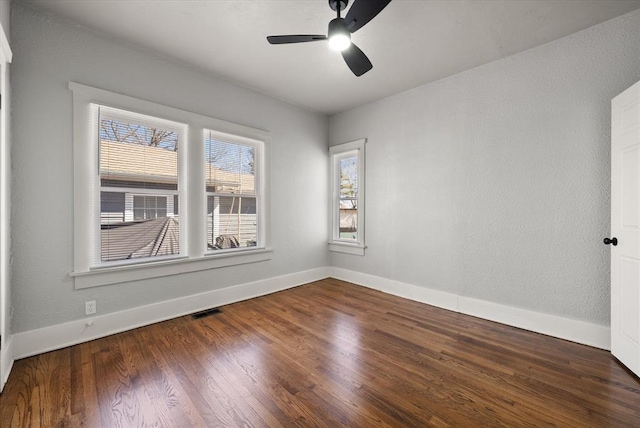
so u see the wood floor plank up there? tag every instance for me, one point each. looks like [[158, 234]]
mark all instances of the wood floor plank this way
[[324, 354]]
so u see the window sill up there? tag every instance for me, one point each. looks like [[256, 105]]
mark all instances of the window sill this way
[[127, 273], [347, 248]]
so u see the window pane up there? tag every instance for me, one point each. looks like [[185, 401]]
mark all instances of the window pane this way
[[133, 155], [111, 207], [139, 239], [134, 159], [230, 167], [231, 222], [348, 199], [349, 177]]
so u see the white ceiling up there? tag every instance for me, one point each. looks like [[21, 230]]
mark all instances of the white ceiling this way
[[410, 43]]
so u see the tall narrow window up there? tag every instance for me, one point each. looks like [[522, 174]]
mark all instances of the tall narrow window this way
[[138, 186], [233, 201], [348, 198], [347, 208]]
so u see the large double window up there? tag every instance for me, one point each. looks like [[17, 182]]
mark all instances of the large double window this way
[[160, 191]]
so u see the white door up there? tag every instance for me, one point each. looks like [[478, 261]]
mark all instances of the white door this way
[[625, 228]]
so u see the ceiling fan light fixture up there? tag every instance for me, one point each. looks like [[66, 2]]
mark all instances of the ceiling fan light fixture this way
[[339, 42], [339, 36]]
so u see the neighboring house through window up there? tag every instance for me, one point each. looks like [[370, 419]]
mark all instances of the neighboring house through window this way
[[347, 207]]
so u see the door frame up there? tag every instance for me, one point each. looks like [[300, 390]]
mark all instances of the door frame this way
[[6, 356]]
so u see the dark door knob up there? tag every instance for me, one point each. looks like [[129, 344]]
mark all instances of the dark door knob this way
[[612, 241]]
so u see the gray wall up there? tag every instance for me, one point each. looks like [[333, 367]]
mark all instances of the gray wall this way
[[48, 53], [494, 183], [5, 17]]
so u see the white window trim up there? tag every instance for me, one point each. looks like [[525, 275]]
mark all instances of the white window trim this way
[[6, 357], [194, 256], [260, 185], [335, 154]]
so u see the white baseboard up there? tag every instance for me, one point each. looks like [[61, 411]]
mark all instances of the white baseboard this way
[[564, 328], [59, 336], [586, 333], [429, 296], [6, 361]]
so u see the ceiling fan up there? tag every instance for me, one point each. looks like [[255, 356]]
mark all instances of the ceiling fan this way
[[340, 30]]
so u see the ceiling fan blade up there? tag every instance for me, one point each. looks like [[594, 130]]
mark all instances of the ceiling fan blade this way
[[356, 60], [363, 11], [297, 38]]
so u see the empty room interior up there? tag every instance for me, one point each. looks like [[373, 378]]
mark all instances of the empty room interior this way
[[320, 213]]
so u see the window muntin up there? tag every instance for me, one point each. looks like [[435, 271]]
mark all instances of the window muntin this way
[[138, 170], [231, 185], [347, 207]]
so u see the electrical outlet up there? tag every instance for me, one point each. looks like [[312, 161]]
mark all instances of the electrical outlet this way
[[90, 307]]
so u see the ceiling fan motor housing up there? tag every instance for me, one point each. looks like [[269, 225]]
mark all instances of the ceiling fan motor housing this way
[[336, 27], [333, 4]]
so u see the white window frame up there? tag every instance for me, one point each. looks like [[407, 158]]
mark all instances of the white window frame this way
[[193, 257], [336, 153], [100, 111], [259, 190]]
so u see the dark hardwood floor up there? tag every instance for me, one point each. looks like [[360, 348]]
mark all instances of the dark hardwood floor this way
[[324, 354]]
